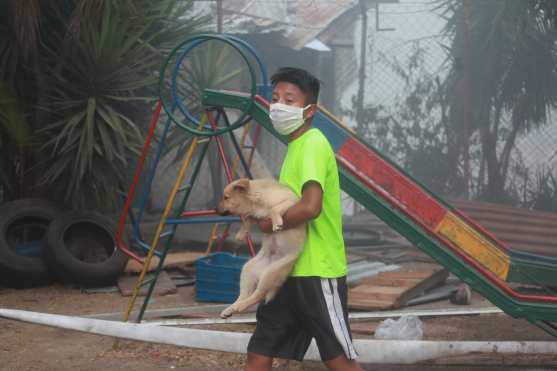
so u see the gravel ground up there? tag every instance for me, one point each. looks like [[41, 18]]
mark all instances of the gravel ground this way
[[25, 346]]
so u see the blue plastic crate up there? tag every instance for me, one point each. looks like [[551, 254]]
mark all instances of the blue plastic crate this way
[[217, 277]]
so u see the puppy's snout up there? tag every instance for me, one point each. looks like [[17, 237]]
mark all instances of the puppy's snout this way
[[222, 211]]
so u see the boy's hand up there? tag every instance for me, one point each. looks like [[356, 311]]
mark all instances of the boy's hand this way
[[265, 225]]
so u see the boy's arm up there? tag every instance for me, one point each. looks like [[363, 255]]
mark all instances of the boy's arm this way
[[308, 208]]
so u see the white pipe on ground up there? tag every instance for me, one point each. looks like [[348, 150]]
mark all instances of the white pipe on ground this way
[[354, 316], [164, 312], [370, 351], [203, 339]]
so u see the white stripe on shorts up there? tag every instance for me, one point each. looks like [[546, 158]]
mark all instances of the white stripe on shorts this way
[[336, 316]]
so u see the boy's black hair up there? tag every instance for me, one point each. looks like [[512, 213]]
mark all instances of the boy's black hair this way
[[308, 84]]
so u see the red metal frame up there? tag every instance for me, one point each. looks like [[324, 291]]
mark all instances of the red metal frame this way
[[137, 175], [229, 177], [194, 213], [139, 168]]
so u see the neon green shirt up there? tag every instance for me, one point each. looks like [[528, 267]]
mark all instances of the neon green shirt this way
[[310, 157]]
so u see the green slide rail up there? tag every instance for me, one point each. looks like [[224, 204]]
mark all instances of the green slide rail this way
[[435, 227]]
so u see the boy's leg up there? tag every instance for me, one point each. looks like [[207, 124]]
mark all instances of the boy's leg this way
[[278, 333], [341, 363], [325, 316], [258, 362]]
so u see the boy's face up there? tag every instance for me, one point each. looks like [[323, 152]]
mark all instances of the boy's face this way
[[289, 94]]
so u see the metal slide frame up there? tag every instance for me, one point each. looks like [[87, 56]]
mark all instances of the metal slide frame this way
[[432, 225]]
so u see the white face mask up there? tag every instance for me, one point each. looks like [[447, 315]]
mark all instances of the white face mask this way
[[286, 119]]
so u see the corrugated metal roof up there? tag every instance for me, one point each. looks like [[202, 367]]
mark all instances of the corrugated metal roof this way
[[521, 229], [301, 21], [318, 15]]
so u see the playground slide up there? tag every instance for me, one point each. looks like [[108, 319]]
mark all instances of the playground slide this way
[[453, 240]]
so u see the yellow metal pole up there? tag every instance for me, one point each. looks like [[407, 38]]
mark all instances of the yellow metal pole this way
[[235, 171], [213, 237], [162, 223], [235, 166]]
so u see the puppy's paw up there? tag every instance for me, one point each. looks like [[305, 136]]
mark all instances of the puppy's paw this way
[[227, 312], [270, 296], [241, 235]]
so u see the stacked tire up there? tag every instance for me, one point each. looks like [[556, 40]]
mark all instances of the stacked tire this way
[[39, 242], [23, 227]]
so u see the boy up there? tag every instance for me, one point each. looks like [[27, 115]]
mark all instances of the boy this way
[[313, 301]]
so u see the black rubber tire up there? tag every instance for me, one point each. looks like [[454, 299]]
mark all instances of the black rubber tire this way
[[18, 219], [81, 249]]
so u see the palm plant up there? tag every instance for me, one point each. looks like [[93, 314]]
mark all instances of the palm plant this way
[[97, 76], [212, 65], [14, 133], [19, 29], [513, 81]]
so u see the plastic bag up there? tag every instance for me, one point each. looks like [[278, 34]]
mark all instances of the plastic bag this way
[[407, 327]]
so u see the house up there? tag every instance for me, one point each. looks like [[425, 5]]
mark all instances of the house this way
[[314, 35]]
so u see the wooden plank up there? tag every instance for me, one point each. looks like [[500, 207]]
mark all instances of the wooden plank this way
[[387, 276], [379, 293], [164, 285], [363, 328], [369, 304], [436, 279], [401, 283], [172, 260], [391, 290]]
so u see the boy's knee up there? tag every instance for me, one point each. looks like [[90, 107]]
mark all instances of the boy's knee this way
[[258, 362]]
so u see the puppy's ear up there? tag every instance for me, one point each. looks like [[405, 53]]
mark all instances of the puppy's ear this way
[[242, 185]]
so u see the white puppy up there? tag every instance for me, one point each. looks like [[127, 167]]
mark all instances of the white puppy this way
[[265, 273]]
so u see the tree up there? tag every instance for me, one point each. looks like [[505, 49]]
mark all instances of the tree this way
[[414, 132], [19, 43], [513, 80], [85, 74]]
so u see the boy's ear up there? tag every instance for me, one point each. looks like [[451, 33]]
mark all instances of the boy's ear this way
[[242, 185], [310, 111]]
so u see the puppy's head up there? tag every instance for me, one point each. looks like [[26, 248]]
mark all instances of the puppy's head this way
[[236, 198]]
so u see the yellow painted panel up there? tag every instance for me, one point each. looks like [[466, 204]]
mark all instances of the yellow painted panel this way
[[475, 245]]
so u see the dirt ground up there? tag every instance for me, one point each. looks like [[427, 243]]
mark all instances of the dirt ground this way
[[26, 346]]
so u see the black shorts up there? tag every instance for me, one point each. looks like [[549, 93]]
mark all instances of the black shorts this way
[[304, 308]]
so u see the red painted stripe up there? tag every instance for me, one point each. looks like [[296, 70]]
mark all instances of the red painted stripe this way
[[199, 213], [262, 101], [220, 147], [391, 183], [129, 197], [487, 274]]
